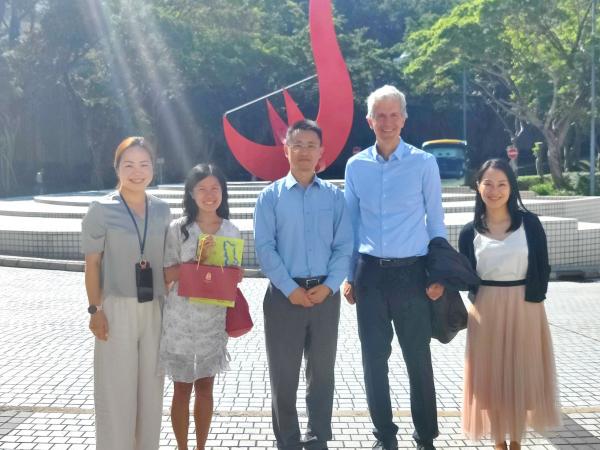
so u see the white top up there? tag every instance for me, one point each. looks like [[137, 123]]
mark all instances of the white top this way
[[502, 260]]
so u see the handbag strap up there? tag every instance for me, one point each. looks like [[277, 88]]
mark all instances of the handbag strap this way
[[202, 241]]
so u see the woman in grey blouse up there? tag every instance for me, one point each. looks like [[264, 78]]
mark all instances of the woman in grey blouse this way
[[123, 237]]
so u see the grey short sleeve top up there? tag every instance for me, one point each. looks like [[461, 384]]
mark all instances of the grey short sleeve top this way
[[107, 228]]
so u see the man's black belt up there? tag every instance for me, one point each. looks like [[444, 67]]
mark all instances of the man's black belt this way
[[391, 262], [503, 283], [308, 283]]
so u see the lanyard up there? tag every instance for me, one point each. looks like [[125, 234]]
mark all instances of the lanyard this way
[[142, 242]]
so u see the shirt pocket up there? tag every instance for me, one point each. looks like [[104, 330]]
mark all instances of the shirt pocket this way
[[325, 225]]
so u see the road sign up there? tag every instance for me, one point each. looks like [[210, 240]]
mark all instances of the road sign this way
[[512, 152]]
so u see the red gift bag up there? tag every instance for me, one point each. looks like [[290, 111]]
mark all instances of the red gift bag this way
[[238, 321], [213, 282]]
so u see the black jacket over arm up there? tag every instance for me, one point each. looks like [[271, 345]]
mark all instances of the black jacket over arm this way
[[538, 269], [452, 270]]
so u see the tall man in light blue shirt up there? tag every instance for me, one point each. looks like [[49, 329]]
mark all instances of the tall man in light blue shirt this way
[[393, 194], [303, 238]]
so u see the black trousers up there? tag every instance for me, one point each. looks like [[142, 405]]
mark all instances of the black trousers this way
[[292, 331], [386, 295]]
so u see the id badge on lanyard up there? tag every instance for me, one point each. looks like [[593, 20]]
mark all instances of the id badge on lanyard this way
[[143, 271]]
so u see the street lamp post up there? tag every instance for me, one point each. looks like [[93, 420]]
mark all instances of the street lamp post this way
[[464, 103], [593, 106]]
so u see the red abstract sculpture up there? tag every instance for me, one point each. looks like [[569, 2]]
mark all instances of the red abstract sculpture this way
[[336, 105]]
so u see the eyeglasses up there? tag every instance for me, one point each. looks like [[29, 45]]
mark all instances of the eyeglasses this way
[[299, 147]]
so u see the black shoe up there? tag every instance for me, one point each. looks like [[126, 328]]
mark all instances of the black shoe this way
[[382, 445], [425, 447], [313, 444]]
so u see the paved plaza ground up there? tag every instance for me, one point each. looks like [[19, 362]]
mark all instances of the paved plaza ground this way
[[46, 386]]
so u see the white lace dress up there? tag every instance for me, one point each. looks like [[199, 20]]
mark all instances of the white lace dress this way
[[193, 343]]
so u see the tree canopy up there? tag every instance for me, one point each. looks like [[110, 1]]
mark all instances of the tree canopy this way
[[527, 58], [78, 76]]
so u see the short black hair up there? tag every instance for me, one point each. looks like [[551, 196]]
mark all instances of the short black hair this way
[[304, 125]]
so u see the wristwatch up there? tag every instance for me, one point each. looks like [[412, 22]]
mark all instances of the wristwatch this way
[[93, 309]]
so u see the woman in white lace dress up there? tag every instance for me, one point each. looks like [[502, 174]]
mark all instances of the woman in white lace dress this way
[[193, 347]]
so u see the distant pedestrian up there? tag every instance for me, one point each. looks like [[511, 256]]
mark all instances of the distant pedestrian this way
[[39, 182], [510, 377], [123, 239]]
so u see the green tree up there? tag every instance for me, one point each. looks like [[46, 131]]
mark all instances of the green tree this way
[[527, 58], [78, 76], [13, 15]]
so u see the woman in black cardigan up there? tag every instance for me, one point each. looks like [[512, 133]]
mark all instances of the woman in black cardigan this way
[[510, 377]]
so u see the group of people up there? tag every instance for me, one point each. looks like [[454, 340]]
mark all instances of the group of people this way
[[314, 243]]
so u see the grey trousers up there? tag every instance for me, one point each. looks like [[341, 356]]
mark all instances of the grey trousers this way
[[290, 332]]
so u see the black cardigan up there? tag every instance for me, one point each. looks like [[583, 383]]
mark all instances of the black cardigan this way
[[538, 269]]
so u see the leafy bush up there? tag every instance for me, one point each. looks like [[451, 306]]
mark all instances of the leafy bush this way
[[583, 185], [525, 182], [543, 188], [575, 183]]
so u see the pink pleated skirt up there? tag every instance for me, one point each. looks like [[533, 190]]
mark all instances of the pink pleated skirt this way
[[510, 376]]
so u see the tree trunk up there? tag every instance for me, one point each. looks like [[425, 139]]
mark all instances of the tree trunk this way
[[556, 136], [555, 142], [554, 163], [8, 131]]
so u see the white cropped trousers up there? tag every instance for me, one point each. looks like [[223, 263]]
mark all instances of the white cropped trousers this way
[[128, 388]]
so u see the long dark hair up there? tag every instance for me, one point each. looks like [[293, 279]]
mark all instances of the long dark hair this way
[[190, 209], [515, 204]]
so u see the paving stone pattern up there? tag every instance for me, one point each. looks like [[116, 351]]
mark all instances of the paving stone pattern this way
[[46, 386]]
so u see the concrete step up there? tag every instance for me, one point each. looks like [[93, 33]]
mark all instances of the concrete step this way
[[178, 194], [586, 209], [49, 226], [28, 208], [231, 185], [60, 238], [85, 200]]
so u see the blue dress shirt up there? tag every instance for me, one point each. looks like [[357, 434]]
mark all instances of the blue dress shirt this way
[[395, 205], [302, 233]]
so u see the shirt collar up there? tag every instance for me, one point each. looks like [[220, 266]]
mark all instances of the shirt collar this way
[[398, 154], [290, 181]]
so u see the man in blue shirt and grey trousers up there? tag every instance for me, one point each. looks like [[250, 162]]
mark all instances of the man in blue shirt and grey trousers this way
[[303, 238], [393, 194]]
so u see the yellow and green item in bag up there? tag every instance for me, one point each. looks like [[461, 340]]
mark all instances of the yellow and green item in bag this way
[[227, 252]]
